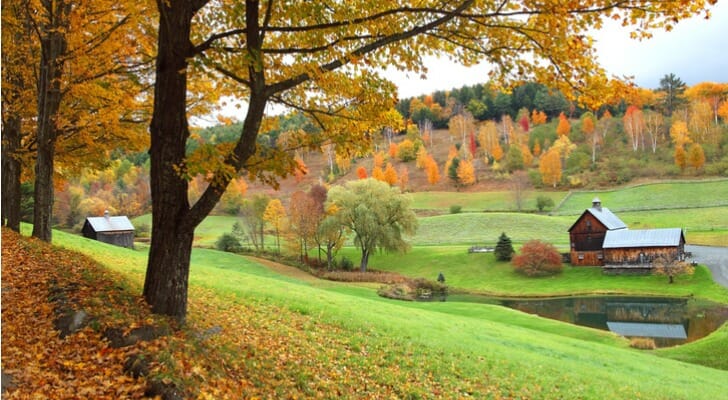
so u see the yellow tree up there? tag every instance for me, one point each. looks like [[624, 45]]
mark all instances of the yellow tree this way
[[432, 170], [403, 177], [466, 172], [654, 126], [550, 167], [723, 111], [564, 126], [460, 125], [634, 125], [488, 137], [390, 175], [589, 129], [710, 92], [275, 215], [681, 157], [324, 60], [84, 56], [696, 156], [679, 133]]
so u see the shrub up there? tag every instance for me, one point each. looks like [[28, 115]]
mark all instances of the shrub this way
[[406, 151], [455, 209], [538, 258], [228, 242], [642, 343], [346, 264], [543, 202], [504, 248]]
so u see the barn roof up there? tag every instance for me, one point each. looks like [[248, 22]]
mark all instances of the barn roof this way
[[670, 331], [606, 217], [643, 238], [110, 224]]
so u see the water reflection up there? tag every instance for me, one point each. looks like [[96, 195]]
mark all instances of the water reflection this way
[[668, 321]]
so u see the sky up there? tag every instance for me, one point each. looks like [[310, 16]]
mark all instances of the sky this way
[[694, 51]]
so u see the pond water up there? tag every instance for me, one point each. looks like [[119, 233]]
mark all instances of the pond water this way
[[668, 321]]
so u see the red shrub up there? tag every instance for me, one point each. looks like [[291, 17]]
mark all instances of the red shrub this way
[[538, 259]]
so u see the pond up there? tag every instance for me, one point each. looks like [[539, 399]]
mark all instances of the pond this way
[[668, 321]]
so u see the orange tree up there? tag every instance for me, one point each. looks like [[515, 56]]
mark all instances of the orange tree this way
[[324, 58]]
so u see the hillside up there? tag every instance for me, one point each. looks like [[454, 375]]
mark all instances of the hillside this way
[[254, 333]]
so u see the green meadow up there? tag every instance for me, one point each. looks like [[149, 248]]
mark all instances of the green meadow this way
[[477, 350]]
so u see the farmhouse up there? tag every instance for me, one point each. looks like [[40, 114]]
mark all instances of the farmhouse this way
[[598, 237], [113, 230]]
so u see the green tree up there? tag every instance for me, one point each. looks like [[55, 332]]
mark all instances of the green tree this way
[[504, 248], [324, 59], [251, 213], [377, 214], [543, 202], [673, 88]]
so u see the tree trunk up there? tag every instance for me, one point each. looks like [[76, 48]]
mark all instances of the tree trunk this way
[[173, 220], [165, 284], [11, 174], [53, 49], [364, 260]]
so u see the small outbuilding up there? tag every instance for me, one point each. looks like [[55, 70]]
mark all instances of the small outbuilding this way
[[117, 230]]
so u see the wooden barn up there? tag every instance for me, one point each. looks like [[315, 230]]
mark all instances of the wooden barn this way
[[113, 230], [598, 237], [587, 234]]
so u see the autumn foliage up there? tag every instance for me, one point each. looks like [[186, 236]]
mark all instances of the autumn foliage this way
[[537, 258]]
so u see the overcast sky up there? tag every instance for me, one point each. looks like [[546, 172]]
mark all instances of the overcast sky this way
[[695, 51]]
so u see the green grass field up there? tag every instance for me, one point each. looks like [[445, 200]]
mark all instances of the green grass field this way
[[479, 201], [461, 349], [654, 196]]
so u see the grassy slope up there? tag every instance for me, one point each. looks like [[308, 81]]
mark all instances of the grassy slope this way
[[479, 201], [502, 350], [656, 196]]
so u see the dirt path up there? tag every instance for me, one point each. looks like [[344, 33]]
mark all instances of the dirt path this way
[[286, 270], [715, 258]]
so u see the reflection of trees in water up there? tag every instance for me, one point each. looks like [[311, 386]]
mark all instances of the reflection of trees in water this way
[[667, 313]]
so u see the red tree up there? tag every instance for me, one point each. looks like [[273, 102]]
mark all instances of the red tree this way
[[538, 258]]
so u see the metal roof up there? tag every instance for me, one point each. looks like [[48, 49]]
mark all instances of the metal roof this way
[[670, 331], [607, 218], [110, 224], [642, 238]]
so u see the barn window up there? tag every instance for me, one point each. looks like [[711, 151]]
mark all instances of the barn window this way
[[588, 225], [581, 256], [600, 256]]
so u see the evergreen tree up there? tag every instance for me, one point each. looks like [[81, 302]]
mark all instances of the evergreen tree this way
[[504, 249]]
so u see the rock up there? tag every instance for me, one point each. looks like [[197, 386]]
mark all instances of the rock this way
[[207, 333], [70, 322], [7, 382], [117, 339], [136, 366], [167, 391]]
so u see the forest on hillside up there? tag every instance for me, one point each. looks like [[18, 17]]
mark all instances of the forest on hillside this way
[[458, 140]]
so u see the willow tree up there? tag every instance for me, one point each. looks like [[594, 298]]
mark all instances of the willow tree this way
[[322, 58], [378, 215]]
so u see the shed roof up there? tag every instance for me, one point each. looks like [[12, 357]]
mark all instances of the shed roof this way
[[671, 331], [110, 224], [643, 238]]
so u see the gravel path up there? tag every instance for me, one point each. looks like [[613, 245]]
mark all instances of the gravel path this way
[[715, 258]]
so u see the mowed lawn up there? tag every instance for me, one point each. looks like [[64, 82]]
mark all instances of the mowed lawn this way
[[421, 349]]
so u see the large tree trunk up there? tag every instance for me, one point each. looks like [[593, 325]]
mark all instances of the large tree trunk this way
[[173, 220], [11, 174], [53, 49], [364, 260], [165, 285]]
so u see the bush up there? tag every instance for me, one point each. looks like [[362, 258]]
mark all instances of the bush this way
[[455, 209], [504, 248], [543, 202], [228, 242], [346, 264], [538, 258], [642, 343], [406, 151]]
